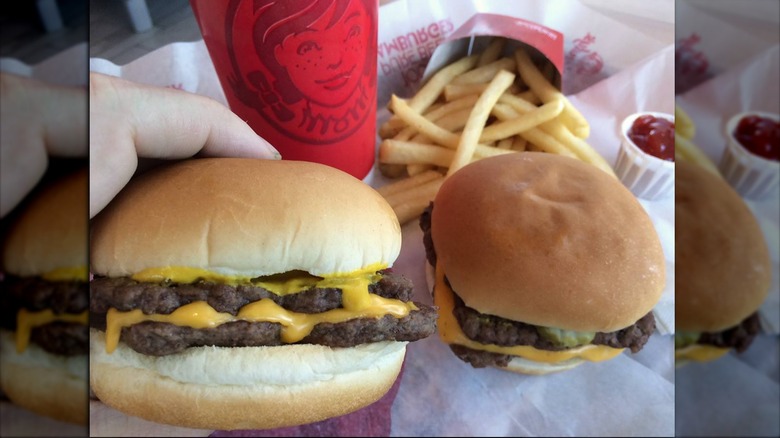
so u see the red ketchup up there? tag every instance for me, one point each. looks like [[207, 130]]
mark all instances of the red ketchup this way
[[760, 136], [654, 135]]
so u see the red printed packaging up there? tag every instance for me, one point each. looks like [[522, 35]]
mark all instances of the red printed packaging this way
[[302, 73], [475, 33]]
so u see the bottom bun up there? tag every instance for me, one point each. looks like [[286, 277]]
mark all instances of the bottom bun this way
[[524, 366], [244, 387], [48, 384], [518, 364]]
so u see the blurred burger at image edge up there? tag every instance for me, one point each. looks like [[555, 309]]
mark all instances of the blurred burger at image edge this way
[[44, 335], [722, 251]]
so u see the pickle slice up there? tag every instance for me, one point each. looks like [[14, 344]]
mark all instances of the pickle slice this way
[[684, 339], [566, 338]]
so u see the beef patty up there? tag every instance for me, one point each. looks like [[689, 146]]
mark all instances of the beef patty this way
[[36, 294], [738, 338], [491, 329], [158, 339]]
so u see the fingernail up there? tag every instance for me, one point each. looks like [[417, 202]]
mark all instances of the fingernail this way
[[272, 150]]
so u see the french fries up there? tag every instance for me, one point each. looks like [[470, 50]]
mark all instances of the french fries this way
[[430, 92], [683, 124], [467, 143], [492, 51], [547, 92], [684, 147], [482, 105]]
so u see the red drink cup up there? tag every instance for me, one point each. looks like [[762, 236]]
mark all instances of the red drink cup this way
[[302, 73]]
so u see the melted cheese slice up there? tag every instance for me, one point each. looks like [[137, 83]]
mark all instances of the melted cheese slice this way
[[699, 352], [279, 284], [357, 302], [451, 333], [78, 273], [26, 321]]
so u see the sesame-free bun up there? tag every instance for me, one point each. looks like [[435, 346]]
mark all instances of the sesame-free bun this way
[[48, 384], [228, 388], [721, 256], [245, 217], [51, 232], [547, 240]]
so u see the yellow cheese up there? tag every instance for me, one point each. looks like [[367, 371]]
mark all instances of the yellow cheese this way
[[280, 284], [451, 333], [26, 321], [79, 273], [699, 352], [295, 326], [357, 302]]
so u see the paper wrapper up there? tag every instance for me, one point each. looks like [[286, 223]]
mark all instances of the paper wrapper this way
[[739, 394], [611, 70], [713, 37]]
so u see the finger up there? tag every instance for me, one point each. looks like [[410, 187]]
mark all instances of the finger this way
[[58, 113], [112, 159], [168, 123], [129, 120], [65, 121], [38, 119]]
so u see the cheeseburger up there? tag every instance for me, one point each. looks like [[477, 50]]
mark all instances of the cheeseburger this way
[[722, 254], [541, 262], [248, 294], [44, 299]]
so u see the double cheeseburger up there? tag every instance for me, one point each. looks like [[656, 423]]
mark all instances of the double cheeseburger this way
[[541, 262], [722, 254], [248, 294], [44, 333]]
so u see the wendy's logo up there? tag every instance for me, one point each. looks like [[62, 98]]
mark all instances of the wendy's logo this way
[[691, 65], [582, 59], [305, 66]]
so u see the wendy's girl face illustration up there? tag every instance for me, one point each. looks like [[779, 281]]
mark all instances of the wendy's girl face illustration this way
[[310, 67], [326, 58], [302, 73]]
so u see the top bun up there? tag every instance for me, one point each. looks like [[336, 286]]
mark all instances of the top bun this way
[[245, 217], [721, 253], [547, 240], [51, 232]]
